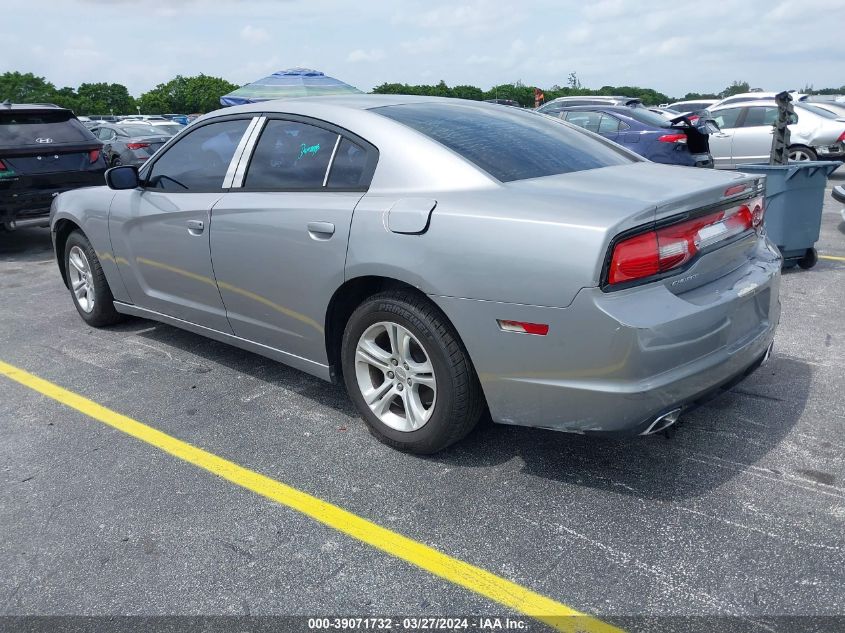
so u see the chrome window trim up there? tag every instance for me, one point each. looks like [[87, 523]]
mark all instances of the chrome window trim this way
[[331, 161], [249, 148], [236, 157]]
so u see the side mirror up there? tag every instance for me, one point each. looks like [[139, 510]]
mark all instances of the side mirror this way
[[123, 177]]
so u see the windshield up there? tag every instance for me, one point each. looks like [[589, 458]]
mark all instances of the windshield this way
[[508, 143], [21, 129]]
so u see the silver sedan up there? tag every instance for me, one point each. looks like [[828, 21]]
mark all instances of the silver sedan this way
[[442, 258]]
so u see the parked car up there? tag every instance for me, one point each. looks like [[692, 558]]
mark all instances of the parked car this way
[[685, 107], [756, 96], [170, 128], [746, 133], [181, 119], [439, 257], [130, 143], [507, 102], [556, 105], [44, 150], [645, 132]]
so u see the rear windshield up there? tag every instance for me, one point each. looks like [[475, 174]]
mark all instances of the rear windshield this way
[[508, 143], [816, 110], [139, 130], [22, 129], [644, 115]]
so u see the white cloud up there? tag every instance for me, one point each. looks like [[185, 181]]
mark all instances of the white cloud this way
[[254, 34], [359, 55]]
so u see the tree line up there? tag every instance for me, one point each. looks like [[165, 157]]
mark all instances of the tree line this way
[[185, 95], [200, 94]]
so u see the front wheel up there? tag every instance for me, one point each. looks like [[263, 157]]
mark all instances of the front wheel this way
[[87, 283], [408, 373]]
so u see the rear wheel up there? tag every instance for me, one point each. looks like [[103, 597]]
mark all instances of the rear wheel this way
[[87, 282], [800, 154], [408, 373]]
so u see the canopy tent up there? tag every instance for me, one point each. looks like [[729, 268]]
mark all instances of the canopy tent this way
[[285, 84]]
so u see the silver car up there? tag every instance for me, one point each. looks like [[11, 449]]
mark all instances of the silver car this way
[[746, 133], [441, 258]]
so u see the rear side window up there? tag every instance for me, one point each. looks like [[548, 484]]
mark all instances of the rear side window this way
[[350, 166], [41, 129], [199, 160], [508, 143], [587, 120], [609, 124], [762, 116], [290, 155]]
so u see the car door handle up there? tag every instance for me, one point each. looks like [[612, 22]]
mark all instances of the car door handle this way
[[195, 227], [321, 230], [722, 135]]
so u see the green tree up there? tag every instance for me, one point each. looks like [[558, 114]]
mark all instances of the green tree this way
[[104, 98], [737, 87], [186, 94], [25, 88]]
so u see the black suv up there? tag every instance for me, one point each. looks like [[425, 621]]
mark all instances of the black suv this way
[[44, 150]]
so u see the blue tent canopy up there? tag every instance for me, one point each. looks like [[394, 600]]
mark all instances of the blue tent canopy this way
[[285, 84]]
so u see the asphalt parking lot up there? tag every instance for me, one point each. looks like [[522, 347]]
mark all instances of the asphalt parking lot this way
[[741, 513]]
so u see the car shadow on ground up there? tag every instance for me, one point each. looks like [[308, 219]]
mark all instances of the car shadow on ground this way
[[26, 245], [713, 444]]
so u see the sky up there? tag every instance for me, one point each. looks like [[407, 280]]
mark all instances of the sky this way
[[673, 47]]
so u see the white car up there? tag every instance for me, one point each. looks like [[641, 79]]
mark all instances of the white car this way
[[685, 107], [746, 130], [757, 96]]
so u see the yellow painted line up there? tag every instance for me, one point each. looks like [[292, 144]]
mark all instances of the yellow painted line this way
[[833, 258], [480, 581]]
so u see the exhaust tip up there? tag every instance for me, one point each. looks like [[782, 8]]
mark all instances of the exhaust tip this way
[[663, 422]]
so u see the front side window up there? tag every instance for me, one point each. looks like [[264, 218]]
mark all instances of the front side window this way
[[727, 118], [290, 155], [199, 160]]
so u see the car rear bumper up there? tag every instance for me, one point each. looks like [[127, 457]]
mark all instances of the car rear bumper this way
[[613, 362], [27, 198]]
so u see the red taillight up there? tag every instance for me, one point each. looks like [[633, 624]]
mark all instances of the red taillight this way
[[693, 118], [93, 155], [673, 138], [665, 249], [540, 329], [3, 166], [137, 145], [841, 137]]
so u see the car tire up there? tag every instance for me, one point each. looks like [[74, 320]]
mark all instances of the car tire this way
[[801, 153], [87, 283], [445, 403]]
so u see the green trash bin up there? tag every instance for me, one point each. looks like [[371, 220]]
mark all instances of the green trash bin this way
[[794, 201]]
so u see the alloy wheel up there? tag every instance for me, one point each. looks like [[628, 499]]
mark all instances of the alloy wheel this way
[[798, 156], [81, 279], [395, 376]]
